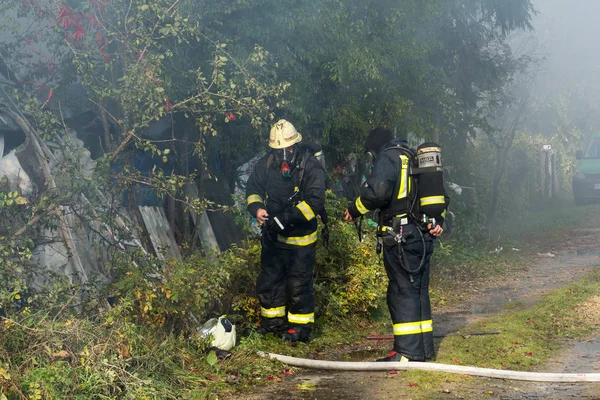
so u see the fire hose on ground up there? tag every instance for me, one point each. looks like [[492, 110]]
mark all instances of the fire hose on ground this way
[[427, 366]]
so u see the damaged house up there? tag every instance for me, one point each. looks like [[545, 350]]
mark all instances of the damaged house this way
[[79, 245]]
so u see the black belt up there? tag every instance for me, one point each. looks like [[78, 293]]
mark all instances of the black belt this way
[[403, 221]]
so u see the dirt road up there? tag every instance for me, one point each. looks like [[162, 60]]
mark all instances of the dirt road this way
[[558, 265]]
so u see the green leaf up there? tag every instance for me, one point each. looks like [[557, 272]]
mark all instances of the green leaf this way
[[211, 359]]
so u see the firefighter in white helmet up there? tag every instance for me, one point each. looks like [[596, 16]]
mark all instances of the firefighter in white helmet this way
[[286, 193]]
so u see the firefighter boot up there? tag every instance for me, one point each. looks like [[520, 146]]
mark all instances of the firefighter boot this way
[[393, 356], [297, 334], [274, 326]]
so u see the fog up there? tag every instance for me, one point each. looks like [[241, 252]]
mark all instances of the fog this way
[[438, 70], [568, 33], [568, 77]]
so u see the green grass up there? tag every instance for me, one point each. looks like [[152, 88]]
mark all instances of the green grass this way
[[528, 338]]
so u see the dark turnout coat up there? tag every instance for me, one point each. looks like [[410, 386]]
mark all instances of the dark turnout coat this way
[[268, 189]]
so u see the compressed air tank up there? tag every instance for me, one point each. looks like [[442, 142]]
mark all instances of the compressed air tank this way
[[432, 195]]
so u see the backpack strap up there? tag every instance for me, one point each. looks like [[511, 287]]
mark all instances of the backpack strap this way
[[408, 204], [270, 161]]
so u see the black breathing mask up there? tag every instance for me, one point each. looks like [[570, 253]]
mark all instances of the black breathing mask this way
[[286, 158]]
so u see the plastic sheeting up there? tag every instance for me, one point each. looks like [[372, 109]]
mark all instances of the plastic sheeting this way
[[12, 172]]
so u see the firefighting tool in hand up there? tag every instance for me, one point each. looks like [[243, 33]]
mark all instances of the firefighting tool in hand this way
[[279, 224], [358, 225], [325, 235]]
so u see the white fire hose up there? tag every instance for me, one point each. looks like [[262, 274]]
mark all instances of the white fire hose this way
[[426, 366]]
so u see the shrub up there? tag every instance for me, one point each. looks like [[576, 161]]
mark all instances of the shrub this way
[[348, 279], [191, 290], [349, 276]]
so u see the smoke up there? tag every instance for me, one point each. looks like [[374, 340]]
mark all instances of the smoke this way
[[569, 31]]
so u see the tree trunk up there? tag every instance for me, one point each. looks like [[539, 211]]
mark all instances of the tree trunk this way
[[498, 173], [501, 157], [106, 131]]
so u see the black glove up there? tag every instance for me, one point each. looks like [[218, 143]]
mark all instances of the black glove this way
[[325, 235], [277, 223]]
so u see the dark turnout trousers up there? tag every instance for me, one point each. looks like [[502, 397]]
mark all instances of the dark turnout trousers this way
[[408, 301], [285, 287]]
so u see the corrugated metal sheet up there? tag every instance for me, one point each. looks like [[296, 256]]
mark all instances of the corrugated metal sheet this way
[[157, 226]]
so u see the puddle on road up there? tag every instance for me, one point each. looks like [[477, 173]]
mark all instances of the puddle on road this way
[[329, 385], [363, 355], [583, 358], [580, 253]]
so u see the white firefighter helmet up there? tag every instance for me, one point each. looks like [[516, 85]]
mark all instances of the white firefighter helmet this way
[[283, 134], [221, 331]]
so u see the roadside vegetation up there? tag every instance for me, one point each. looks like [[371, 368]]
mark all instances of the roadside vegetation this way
[[528, 339], [144, 346]]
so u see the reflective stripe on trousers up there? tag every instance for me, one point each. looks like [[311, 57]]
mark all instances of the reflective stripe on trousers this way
[[286, 277], [408, 302], [272, 312], [412, 328], [301, 319]]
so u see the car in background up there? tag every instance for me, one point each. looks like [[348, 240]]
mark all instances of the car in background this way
[[586, 181]]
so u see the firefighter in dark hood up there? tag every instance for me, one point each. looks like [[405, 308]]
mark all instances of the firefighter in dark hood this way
[[286, 193], [407, 234]]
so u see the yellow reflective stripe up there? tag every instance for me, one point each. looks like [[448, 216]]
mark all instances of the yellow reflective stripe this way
[[444, 214], [298, 240], [412, 328], [318, 154], [403, 192], [254, 198], [301, 318], [427, 326], [428, 201], [407, 328], [273, 312], [306, 210], [360, 206]]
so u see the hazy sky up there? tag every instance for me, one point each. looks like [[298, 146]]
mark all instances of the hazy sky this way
[[568, 33]]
